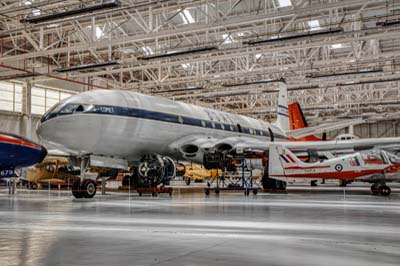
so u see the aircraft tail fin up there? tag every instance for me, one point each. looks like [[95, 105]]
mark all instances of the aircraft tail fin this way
[[281, 158], [282, 117], [297, 120], [296, 116]]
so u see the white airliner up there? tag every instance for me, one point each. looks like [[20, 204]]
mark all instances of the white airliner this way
[[121, 129]]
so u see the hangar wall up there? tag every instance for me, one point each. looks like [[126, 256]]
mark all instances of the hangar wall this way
[[16, 123], [22, 104]]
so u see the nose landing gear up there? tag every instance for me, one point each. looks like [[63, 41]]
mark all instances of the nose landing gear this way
[[84, 189]]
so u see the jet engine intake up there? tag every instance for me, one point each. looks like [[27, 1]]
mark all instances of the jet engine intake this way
[[190, 150], [222, 147]]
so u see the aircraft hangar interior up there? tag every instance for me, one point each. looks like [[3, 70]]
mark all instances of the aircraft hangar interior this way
[[200, 132]]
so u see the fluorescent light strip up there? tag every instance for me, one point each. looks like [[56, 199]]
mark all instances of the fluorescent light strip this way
[[295, 36], [87, 67], [73, 12]]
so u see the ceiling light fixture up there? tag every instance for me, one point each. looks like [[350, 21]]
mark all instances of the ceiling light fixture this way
[[106, 4], [295, 36], [86, 67], [176, 53]]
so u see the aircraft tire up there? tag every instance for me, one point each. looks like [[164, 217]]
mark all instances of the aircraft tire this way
[[187, 181], [375, 189], [283, 185], [88, 188], [266, 182], [255, 191], [76, 189], [384, 190], [275, 184], [31, 185]]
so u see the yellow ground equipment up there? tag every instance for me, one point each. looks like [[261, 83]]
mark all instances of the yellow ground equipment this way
[[53, 171], [197, 173]]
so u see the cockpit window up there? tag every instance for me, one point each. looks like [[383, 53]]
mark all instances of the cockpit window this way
[[79, 108], [69, 108], [373, 157], [75, 107], [393, 158]]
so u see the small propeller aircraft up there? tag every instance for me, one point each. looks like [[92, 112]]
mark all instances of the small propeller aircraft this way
[[374, 166]]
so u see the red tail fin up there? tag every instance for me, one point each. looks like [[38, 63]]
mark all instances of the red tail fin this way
[[297, 120], [296, 116]]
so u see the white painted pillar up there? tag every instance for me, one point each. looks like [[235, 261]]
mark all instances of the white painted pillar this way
[[26, 127], [351, 129]]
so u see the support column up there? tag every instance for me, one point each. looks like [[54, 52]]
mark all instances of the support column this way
[[26, 126], [351, 129]]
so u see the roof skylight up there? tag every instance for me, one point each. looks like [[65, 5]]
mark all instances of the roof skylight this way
[[187, 17]]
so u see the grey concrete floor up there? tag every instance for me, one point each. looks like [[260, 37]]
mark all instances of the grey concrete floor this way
[[300, 228]]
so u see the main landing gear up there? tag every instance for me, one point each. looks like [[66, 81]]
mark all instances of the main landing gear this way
[[380, 189], [272, 184]]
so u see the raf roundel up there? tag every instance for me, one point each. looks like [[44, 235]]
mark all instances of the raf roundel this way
[[338, 167]]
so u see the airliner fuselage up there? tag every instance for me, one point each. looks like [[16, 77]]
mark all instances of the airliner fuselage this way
[[128, 125]]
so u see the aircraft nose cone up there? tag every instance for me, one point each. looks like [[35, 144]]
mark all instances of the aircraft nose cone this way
[[43, 153], [40, 131]]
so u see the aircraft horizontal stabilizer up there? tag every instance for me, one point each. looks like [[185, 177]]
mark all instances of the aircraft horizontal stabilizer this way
[[303, 132]]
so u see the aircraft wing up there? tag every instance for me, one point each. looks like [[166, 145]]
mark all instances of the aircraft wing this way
[[308, 131], [195, 147], [335, 146]]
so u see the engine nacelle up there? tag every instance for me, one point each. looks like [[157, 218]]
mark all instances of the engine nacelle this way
[[192, 148], [217, 160]]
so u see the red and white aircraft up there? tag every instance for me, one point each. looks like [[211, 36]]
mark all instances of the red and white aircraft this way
[[374, 166]]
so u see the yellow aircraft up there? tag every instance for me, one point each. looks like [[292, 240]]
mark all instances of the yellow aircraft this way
[[53, 171]]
